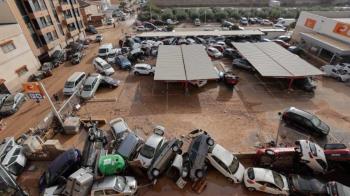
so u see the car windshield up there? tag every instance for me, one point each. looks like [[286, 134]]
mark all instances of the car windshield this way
[[234, 165], [147, 151], [278, 179], [316, 121], [102, 50], [313, 149], [69, 85], [87, 87], [9, 101], [120, 183], [111, 55]]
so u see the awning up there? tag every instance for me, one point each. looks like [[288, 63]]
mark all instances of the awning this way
[[185, 62], [327, 43], [201, 33], [272, 60]]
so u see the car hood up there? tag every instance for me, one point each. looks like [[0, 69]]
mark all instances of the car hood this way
[[86, 94]]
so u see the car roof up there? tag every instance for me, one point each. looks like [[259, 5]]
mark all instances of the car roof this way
[[154, 140], [108, 45], [224, 155], [107, 182], [308, 184], [128, 144], [75, 75], [90, 79], [263, 175], [142, 65], [300, 112]]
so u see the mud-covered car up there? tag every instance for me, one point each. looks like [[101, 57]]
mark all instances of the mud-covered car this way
[[12, 104], [164, 158], [197, 153]]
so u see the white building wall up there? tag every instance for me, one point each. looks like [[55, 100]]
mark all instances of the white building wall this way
[[15, 59], [323, 26]]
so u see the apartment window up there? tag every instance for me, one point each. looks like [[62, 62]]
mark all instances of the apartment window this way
[[77, 12], [42, 39], [49, 21], [21, 8], [71, 27], [8, 46], [49, 37], [43, 22], [35, 23], [61, 29], [80, 24], [54, 34], [22, 70]]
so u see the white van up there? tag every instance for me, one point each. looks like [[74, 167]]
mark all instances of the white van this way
[[74, 83], [104, 50], [285, 22], [103, 67]]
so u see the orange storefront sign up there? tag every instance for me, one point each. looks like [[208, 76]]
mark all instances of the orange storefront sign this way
[[342, 29], [33, 90], [310, 23]]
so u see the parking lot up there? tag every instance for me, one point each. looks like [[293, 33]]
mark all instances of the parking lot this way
[[239, 119]]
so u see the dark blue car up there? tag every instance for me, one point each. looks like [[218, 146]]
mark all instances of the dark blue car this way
[[63, 166], [123, 62]]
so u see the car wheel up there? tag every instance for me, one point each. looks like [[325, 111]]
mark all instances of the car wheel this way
[[210, 142], [151, 74], [136, 73], [199, 173], [155, 172], [251, 189], [175, 148]]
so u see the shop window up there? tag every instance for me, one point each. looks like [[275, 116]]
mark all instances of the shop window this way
[[22, 70], [326, 55], [8, 46]]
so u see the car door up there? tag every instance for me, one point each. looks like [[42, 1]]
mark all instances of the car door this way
[[273, 189], [308, 124]]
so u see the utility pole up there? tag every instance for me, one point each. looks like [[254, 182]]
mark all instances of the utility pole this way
[[51, 103], [150, 9], [205, 16]]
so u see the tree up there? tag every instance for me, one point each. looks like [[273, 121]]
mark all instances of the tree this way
[[220, 15], [180, 14], [206, 14], [193, 13], [167, 14]]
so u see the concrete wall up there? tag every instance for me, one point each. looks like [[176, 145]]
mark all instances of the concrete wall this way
[[22, 55], [323, 26], [243, 3], [6, 14]]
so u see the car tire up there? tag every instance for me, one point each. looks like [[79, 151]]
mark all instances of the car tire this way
[[151, 74], [251, 189], [136, 73], [155, 172], [199, 173], [175, 148], [210, 142]]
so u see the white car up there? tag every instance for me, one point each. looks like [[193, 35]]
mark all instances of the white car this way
[[151, 146], [213, 52], [265, 180], [103, 67], [90, 86], [344, 66], [111, 55], [143, 69], [221, 43], [226, 163], [279, 26], [342, 75], [147, 43], [266, 22], [312, 155], [119, 128]]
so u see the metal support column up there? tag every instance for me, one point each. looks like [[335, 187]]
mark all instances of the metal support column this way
[[52, 105]]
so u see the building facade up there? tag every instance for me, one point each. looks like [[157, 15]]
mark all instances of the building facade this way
[[89, 10], [326, 34], [47, 25], [17, 61]]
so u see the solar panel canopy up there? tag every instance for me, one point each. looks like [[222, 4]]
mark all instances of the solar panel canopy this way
[[272, 60]]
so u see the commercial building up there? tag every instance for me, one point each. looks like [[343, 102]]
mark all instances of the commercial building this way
[[17, 61], [47, 25], [89, 10], [325, 34]]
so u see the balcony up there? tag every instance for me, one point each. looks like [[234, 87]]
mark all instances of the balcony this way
[[63, 7], [67, 21], [46, 29], [51, 44], [73, 33], [38, 14]]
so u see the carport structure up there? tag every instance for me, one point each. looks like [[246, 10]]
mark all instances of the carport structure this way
[[201, 33], [184, 63], [272, 60]]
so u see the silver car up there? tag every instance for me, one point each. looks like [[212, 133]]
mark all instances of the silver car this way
[[115, 185], [91, 85], [11, 104], [119, 128], [151, 146]]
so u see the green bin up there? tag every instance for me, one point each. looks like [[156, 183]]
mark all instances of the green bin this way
[[111, 164]]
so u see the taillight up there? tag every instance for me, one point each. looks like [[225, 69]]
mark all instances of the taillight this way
[[250, 181]]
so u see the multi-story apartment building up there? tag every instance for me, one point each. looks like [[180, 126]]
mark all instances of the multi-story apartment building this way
[[17, 61], [46, 24]]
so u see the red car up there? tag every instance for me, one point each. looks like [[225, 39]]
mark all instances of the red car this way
[[229, 78], [219, 47], [337, 152], [278, 156]]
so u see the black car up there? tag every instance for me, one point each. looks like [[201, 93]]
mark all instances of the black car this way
[[337, 189], [58, 57], [301, 185], [164, 157], [109, 82], [197, 153], [60, 168], [305, 121], [306, 84], [91, 29], [231, 53]]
